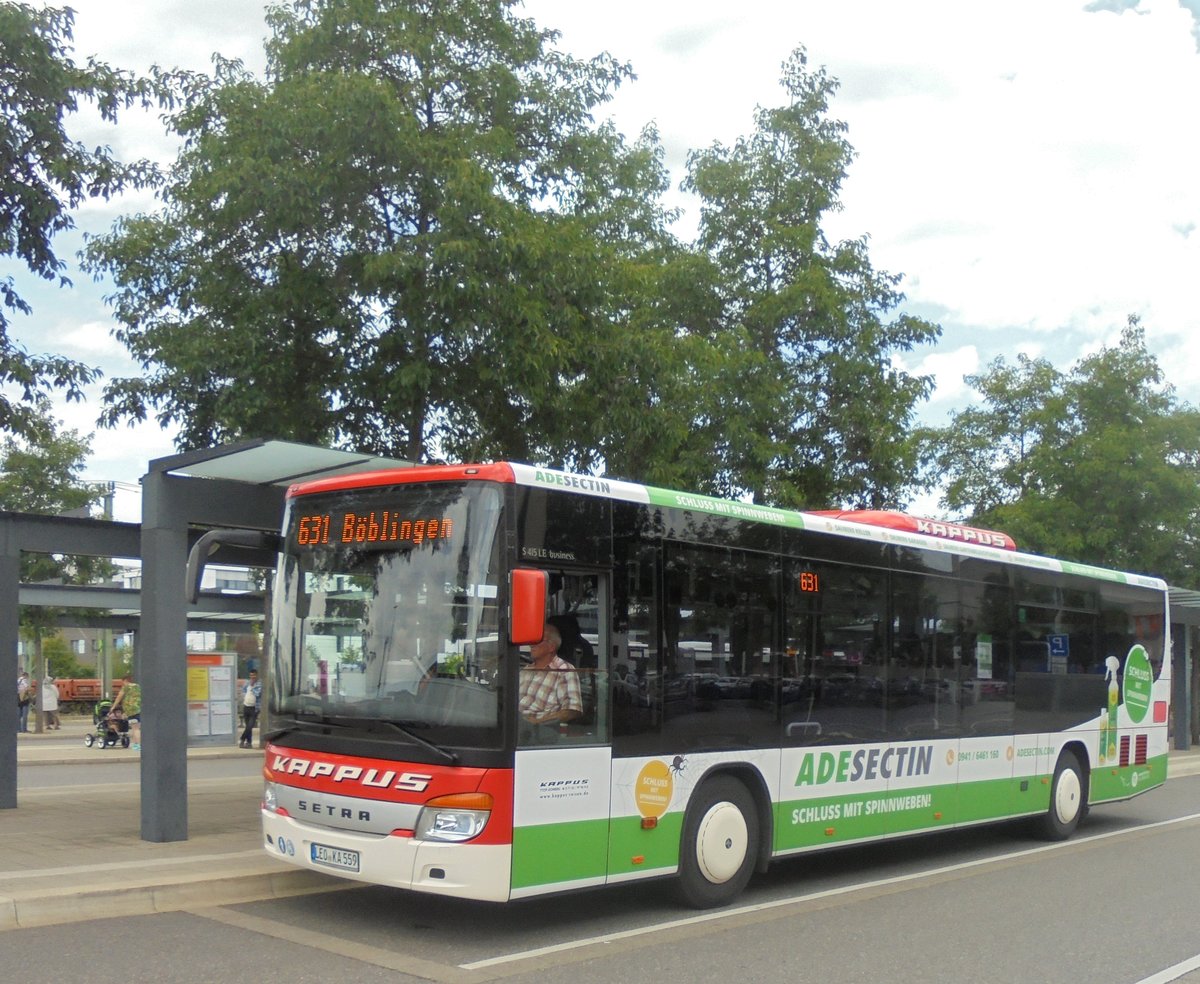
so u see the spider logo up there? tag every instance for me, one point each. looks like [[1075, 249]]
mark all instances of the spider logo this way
[[678, 764]]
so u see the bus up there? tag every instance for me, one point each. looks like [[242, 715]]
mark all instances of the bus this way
[[755, 683]]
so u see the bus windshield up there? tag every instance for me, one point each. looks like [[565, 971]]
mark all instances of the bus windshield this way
[[386, 612]]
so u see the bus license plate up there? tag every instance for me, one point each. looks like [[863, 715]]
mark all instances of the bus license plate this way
[[335, 857]]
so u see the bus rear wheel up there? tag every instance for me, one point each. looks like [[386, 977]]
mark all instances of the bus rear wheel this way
[[719, 847], [1068, 799]]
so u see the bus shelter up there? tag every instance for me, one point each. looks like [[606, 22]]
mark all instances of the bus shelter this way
[[1185, 637], [239, 486]]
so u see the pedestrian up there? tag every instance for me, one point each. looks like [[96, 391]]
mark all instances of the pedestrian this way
[[24, 699], [251, 702], [129, 703], [50, 704]]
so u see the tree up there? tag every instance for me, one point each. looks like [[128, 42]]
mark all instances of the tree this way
[[1100, 464], [40, 474], [411, 238], [818, 412], [60, 659], [44, 175], [984, 458]]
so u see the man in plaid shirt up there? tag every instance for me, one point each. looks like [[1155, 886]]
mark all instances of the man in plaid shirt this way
[[549, 685]]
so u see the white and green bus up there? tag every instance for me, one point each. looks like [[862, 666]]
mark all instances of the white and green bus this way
[[754, 683]]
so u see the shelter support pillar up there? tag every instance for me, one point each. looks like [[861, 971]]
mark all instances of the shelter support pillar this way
[[1182, 692], [10, 620], [1193, 716], [162, 663]]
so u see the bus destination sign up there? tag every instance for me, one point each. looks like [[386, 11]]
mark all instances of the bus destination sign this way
[[378, 527]]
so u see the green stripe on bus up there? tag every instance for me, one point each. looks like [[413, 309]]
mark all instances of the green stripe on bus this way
[[633, 849], [1122, 783], [564, 852], [559, 852], [1097, 572], [725, 507], [830, 820]]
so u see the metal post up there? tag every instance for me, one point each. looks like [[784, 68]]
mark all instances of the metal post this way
[[1193, 717], [10, 619], [162, 663], [1182, 700]]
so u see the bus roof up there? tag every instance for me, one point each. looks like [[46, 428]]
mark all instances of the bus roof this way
[[916, 533]]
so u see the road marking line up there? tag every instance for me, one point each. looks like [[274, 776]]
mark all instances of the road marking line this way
[[815, 897], [1173, 973]]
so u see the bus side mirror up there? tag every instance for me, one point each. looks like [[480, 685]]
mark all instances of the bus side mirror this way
[[527, 606], [250, 548]]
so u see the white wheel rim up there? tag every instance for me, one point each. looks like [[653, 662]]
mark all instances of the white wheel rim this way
[[721, 842], [1066, 795]]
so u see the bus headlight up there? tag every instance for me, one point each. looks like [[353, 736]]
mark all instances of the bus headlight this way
[[457, 817]]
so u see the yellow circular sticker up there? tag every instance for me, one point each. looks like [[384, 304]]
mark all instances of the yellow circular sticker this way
[[949, 756], [653, 789]]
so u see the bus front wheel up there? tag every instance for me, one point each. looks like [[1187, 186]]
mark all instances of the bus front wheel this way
[[719, 845], [1068, 799]]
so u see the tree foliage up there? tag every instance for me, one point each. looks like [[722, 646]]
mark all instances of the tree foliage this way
[[821, 410], [40, 473], [44, 175], [409, 238], [1099, 464], [414, 237], [61, 661]]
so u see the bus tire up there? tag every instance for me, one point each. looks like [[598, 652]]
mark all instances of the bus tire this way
[[719, 847], [1068, 799]]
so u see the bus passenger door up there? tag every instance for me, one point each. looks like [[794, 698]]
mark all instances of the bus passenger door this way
[[563, 771]]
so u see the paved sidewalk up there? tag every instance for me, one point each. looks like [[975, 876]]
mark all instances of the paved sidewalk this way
[[69, 858]]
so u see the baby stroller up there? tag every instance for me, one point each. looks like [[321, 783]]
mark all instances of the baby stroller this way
[[111, 727]]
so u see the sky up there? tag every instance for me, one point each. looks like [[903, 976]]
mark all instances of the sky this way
[[1031, 169]]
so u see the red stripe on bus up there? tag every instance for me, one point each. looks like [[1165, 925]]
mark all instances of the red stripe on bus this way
[[394, 782], [498, 472]]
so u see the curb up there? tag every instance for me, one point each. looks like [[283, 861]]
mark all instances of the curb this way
[[74, 758], [60, 906]]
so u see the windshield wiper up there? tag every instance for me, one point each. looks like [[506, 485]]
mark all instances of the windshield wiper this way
[[299, 723], [303, 724], [343, 722], [450, 757]]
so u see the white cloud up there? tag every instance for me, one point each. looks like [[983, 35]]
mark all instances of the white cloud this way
[[91, 341], [948, 370]]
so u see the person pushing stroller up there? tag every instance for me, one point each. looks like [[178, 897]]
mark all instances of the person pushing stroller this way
[[111, 728], [129, 703]]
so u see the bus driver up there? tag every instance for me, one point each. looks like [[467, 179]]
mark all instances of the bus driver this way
[[550, 691]]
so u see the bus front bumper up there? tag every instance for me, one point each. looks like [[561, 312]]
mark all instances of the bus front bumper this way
[[467, 871]]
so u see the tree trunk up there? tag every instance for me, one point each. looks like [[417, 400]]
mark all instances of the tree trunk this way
[[39, 678]]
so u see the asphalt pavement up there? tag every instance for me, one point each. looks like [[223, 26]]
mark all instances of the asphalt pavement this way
[[76, 853]]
